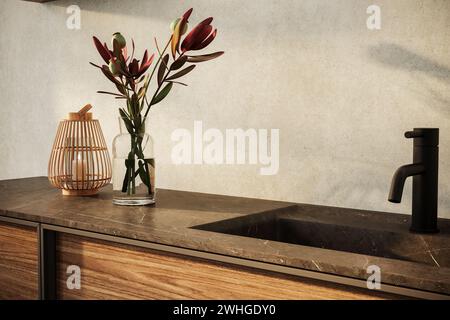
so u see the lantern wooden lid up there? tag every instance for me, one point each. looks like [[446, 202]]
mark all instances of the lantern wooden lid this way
[[83, 114]]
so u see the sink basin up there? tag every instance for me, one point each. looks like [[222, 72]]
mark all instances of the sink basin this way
[[339, 233]]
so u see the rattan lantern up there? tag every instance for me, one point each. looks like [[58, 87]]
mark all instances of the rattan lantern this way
[[79, 163]]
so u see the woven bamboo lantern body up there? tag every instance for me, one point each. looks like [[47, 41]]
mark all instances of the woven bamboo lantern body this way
[[79, 162]]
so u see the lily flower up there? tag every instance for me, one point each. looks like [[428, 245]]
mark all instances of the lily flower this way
[[146, 62], [116, 60], [137, 70], [200, 37]]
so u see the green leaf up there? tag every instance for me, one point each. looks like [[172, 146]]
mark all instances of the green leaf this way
[[162, 68], [109, 75], [146, 83], [178, 63], [125, 179], [178, 82], [143, 174], [123, 113], [130, 109], [121, 88], [141, 92], [95, 65], [126, 120], [147, 169], [135, 104], [164, 92], [204, 57], [111, 93], [181, 73]]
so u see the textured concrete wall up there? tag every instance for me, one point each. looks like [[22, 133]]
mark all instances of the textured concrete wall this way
[[341, 95]]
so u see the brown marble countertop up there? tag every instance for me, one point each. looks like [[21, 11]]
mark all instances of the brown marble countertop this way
[[424, 263]]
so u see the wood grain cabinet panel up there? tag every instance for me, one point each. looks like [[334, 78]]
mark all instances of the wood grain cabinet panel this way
[[116, 271], [18, 262]]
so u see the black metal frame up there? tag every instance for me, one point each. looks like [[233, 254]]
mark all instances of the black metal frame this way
[[47, 245]]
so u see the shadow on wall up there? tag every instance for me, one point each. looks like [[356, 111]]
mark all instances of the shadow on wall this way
[[398, 57], [133, 8], [347, 192], [257, 17]]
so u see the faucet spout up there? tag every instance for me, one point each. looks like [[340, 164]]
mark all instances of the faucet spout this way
[[398, 180]]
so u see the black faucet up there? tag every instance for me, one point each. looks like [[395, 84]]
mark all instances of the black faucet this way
[[425, 180]]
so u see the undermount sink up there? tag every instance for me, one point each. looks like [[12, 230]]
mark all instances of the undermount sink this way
[[293, 227]]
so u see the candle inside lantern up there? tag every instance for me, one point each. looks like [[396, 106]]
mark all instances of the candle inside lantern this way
[[79, 169]]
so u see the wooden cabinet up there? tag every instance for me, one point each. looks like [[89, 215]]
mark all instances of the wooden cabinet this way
[[116, 271], [18, 262]]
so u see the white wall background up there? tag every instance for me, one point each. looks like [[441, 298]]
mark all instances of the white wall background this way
[[341, 95]]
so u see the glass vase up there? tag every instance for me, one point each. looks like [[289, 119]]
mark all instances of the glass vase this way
[[133, 167]]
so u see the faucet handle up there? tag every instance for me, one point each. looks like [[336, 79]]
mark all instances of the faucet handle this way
[[413, 134], [424, 136]]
